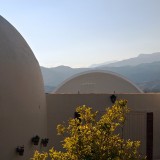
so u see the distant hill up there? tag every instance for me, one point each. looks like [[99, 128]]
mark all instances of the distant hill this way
[[52, 77], [102, 64], [145, 75], [142, 75], [151, 86], [142, 58], [138, 74]]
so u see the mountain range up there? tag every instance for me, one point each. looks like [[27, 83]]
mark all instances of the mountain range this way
[[143, 70], [142, 58]]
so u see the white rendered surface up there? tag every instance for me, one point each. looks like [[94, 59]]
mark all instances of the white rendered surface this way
[[22, 99]]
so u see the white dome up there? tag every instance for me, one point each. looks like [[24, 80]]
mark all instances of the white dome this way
[[97, 81], [22, 98]]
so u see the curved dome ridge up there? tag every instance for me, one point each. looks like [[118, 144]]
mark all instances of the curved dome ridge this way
[[97, 81], [13, 42], [22, 99]]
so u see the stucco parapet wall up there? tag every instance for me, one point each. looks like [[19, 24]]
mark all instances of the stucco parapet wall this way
[[136, 101], [102, 93], [61, 107]]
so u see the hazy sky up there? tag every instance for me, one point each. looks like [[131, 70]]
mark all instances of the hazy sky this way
[[79, 33]]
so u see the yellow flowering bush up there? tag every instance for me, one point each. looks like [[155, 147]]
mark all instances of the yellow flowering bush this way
[[39, 156], [91, 139]]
